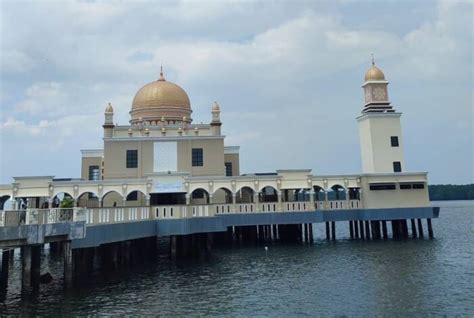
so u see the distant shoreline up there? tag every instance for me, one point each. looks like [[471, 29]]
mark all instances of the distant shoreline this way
[[450, 192]]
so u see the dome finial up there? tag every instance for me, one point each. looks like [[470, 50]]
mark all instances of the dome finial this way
[[373, 61], [162, 77]]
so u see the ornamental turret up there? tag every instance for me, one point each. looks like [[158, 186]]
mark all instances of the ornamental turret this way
[[216, 119], [108, 121], [376, 91]]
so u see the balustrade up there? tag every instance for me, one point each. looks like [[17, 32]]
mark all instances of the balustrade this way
[[128, 214]]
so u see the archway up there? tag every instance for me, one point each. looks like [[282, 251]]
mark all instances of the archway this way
[[199, 196], [318, 193], [244, 195], [88, 200], [136, 198], [5, 203], [268, 194], [222, 196], [112, 199], [336, 193], [62, 200]]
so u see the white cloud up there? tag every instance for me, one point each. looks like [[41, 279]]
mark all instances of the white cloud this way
[[286, 75]]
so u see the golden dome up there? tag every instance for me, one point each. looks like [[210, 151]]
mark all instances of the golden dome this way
[[160, 100], [374, 74]]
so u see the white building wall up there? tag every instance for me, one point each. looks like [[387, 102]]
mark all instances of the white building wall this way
[[377, 153]]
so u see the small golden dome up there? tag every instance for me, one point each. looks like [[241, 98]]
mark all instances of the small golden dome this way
[[109, 108], [374, 74], [161, 99]]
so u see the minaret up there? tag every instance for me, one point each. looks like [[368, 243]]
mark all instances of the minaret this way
[[109, 121], [379, 127], [216, 120]]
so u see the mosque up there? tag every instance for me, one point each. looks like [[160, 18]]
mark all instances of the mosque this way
[[162, 165]]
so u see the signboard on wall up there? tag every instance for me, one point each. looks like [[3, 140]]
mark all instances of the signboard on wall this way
[[167, 187], [165, 156]]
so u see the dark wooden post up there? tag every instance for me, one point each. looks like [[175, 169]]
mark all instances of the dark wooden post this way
[[361, 228], [420, 228], [367, 230], [384, 230], [25, 268], [430, 228], [68, 264], [356, 229], [333, 230], [328, 235], [35, 266], [351, 230], [413, 228], [4, 274], [311, 238]]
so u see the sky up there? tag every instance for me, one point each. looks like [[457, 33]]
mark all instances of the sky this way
[[287, 75]]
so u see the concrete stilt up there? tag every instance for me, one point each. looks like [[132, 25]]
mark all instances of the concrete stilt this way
[[395, 233], [4, 273], [209, 242], [367, 230], [430, 228], [356, 229], [328, 234], [274, 232], [420, 228], [333, 230], [384, 230], [173, 246], [413, 228], [351, 230], [25, 268], [311, 238], [361, 228], [35, 266], [68, 264], [306, 233], [405, 229]]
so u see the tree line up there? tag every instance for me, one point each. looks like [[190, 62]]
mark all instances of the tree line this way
[[451, 192]]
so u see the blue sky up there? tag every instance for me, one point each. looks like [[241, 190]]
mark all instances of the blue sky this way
[[286, 74]]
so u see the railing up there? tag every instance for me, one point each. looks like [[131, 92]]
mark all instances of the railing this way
[[116, 214], [42, 216], [130, 214]]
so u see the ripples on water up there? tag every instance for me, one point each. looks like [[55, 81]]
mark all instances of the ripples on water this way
[[351, 278]]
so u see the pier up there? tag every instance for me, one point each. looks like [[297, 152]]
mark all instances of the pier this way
[[116, 240]]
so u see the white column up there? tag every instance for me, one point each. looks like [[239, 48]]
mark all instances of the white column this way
[[311, 200], [255, 200], [326, 201]]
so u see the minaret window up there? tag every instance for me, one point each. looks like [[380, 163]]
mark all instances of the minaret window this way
[[397, 166], [197, 157], [132, 158], [228, 169], [94, 172], [394, 141]]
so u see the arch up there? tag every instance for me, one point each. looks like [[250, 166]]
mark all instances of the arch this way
[[88, 199], [199, 196], [112, 198], [245, 195], [226, 189], [3, 200], [318, 193], [268, 194], [135, 198], [222, 195], [62, 199], [295, 195], [337, 192]]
